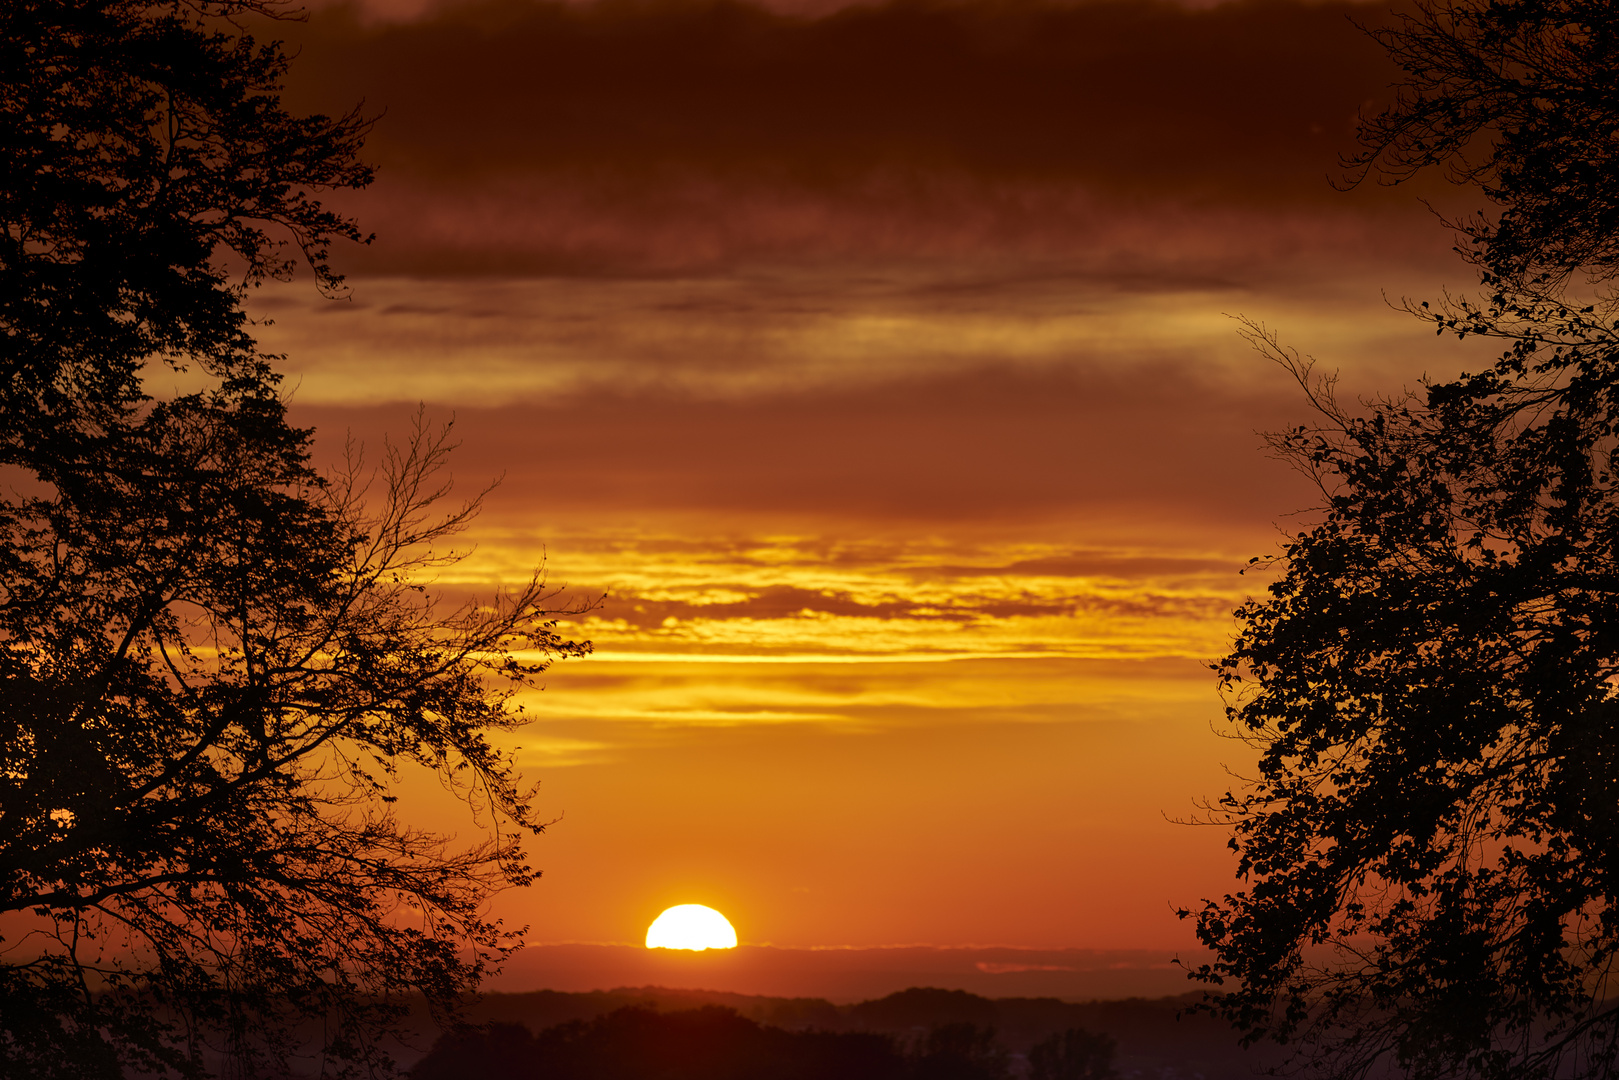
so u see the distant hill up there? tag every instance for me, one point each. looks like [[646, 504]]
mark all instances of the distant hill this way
[[847, 975], [1156, 1038]]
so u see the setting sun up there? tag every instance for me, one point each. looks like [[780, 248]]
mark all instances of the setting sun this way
[[690, 926]]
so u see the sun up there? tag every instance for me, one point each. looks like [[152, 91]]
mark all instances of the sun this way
[[690, 926]]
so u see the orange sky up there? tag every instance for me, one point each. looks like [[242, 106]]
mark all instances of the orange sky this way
[[877, 365]]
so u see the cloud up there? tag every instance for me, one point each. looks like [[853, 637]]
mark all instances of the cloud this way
[[526, 137], [686, 222], [636, 696], [990, 445], [1122, 94]]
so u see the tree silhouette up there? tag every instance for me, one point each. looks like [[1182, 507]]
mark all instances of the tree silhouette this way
[[1429, 843], [1515, 97], [213, 660], [142, 141]]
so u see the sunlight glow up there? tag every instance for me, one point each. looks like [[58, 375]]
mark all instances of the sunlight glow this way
[[690, 926]]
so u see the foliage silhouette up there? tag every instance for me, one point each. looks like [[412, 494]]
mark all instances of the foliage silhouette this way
[[142, 142], [1429, 844], [213, 660], [1515, 96]]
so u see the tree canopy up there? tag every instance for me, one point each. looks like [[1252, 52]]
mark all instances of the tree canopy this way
[[144, 142], [1430, 846], [215, 659], [1516, 98]]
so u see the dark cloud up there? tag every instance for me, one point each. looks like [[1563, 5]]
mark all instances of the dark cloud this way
[[528, 137], [987, 445], [1122, 94]]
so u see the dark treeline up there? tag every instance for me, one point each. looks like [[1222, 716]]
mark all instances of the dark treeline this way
[[916, 1034], [717, 1043]]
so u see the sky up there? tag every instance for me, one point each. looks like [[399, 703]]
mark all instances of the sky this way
[[877, 369]]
